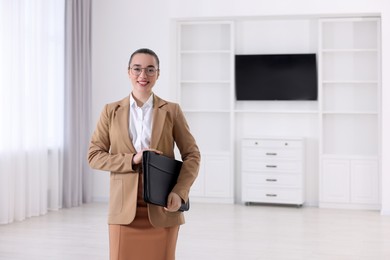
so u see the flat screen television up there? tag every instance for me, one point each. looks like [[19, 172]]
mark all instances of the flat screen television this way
[[276, 77]]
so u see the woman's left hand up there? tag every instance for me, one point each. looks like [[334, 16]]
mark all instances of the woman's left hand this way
[[173, 203]]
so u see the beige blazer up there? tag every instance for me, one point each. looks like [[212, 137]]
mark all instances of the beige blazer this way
[[111, 149]]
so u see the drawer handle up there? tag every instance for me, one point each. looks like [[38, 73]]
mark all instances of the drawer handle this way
[[273, 154], [271, 195], [271, 166], [271, 180]]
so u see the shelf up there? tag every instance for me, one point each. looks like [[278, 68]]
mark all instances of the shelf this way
[[350, 112], [206, 52], [350, 34], [205, 82], [349, 156], [348, 50], [338, 20], [350, 82], [350, 66], [206, 96], [211, 128], [225, 153], [347, 97], [205, 36], [276, 111], [206, 67], [350, 134], [206, 111]]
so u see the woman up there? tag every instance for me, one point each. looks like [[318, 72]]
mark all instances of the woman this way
[[142, 121]]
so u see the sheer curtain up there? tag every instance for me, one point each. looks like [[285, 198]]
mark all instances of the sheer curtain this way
[[77, 184], [31, 107]]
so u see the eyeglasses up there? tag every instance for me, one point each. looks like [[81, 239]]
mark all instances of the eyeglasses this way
[[150, 71]]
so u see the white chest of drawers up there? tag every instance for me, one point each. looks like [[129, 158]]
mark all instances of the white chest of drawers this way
[[273, 170]]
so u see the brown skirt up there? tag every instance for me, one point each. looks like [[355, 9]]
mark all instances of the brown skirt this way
[[140, 240]]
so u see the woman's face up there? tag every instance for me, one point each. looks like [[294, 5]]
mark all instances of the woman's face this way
[[143, 73]]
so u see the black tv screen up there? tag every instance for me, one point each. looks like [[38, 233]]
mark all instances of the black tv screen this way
[[276, 77]]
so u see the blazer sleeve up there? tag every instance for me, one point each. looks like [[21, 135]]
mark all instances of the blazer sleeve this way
[[189, 152], [99, 155]]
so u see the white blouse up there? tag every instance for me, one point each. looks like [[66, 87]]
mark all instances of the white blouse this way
[[140, 123]]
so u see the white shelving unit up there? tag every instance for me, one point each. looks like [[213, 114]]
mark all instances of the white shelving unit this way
[[349, 87], [341, 129], [205, 86]]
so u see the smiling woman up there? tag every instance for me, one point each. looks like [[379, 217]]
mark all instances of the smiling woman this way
[[31, 94], [142, 121]]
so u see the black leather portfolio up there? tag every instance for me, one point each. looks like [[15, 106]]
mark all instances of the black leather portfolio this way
[[160, 175]]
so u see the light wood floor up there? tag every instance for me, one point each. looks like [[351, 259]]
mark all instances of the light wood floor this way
[[212, 231]]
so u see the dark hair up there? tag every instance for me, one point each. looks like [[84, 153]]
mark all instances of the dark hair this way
[[145, 51]]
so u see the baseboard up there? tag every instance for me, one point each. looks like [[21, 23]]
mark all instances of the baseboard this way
[[211, 200], [100, 199], [351, 206], [385, 212]]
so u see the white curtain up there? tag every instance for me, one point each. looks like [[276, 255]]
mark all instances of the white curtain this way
[[77, 183], [31, 107]]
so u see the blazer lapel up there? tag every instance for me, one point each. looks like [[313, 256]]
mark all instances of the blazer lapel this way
[[159, 116], [123, 122]]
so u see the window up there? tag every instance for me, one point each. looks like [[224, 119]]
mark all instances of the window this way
[[31, 105]]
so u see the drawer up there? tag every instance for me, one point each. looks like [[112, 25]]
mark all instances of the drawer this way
[[272, 166], [269, 195], [281, 143], [249, 153], [273, 180]]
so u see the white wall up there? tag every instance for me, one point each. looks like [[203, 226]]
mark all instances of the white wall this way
[[386, 112], [120, 27]]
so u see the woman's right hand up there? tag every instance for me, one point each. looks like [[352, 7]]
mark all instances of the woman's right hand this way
[[137, 158]]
